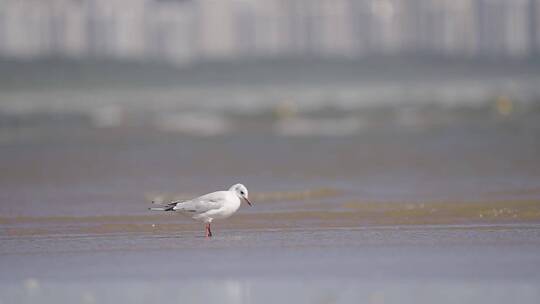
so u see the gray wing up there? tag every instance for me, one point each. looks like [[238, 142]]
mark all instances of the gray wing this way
[[202, 204]]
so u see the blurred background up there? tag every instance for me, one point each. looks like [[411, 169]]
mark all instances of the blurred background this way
[[109, 100], [186, 32]]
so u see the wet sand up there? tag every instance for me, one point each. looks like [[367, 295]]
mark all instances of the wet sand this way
[[312, 216]]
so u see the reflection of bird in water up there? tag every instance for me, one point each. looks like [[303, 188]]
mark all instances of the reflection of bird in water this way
[[206, 208]]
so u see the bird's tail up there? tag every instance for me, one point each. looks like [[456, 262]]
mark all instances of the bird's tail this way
[[163, 207]]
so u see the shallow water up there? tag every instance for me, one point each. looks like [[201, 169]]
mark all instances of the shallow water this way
[[472, 264]]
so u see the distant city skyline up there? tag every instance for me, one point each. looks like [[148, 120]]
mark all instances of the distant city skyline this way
[[186, 31]]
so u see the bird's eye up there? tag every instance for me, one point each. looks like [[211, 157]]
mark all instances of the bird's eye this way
[[242, 192]]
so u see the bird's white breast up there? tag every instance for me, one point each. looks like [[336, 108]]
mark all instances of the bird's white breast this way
[[232, 203]]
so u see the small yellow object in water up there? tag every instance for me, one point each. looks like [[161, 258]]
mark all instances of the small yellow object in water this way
[[504, 105]]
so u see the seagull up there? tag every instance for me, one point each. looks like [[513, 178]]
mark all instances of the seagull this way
[[206, 208]]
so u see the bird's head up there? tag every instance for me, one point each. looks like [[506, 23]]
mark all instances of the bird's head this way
[[241, 191]]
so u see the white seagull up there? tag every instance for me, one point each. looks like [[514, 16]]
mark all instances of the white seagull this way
[[206, 208]]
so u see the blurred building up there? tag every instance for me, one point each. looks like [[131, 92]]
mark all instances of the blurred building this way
[[183, 31]]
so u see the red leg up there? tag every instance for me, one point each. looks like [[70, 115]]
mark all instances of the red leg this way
[[208, 231]]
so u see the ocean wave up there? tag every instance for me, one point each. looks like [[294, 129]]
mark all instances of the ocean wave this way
[[193, 123], [285, 110]]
